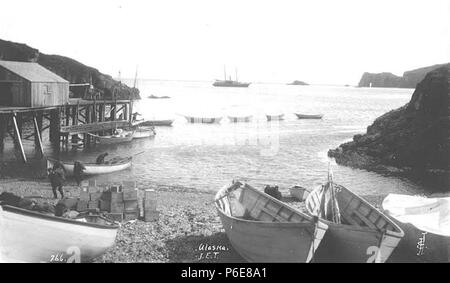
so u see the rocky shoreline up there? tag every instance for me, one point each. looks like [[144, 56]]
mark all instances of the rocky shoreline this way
[[412, 141]]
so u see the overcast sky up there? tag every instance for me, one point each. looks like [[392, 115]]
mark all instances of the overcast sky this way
[[320, 41]]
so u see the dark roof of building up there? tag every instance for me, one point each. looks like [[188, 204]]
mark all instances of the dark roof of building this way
[[32, 72]]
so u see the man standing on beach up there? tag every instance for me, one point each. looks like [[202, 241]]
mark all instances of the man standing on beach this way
[[78, 169], [57, 179]]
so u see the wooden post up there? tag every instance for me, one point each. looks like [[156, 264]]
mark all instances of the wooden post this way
[[55, 124], [75, 121], [19, 121], [88, 121], [18, 138], [125, 111], [3, 130], [37, 137]]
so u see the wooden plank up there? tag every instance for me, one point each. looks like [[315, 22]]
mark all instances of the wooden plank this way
[[94, 127], [364, 219]]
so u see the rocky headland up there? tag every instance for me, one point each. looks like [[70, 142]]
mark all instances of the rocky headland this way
[[105, 87], [298, 83], [412, 140], [410, 79]]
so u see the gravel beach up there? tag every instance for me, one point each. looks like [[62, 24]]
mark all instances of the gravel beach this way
[[188, 229]]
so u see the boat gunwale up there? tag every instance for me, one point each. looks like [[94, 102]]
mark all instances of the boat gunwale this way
[[271, 223], [29, 213]]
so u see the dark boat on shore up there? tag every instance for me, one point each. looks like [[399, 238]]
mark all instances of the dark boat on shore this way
[[357, 231], [264, 229]]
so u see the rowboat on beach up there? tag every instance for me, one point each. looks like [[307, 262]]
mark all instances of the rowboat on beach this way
[[28, 236], [240, 119], [144, 132], [203, 120], [276, 117], [93, 168], [309, 116], [426, 223], [357, 231], [264, 229]]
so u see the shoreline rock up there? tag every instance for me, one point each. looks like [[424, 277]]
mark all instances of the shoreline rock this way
[[411, 141]]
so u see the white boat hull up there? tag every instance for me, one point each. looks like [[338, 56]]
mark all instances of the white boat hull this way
[[29, 237], [275, 117], [212, 120], [94, 169]]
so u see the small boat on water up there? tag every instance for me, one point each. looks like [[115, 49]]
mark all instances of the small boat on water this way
[[29, 236], [357, 231], [159, 123], [95, 169], [203, 120], [158, 97], [277, 117], [264, 229], [241, 119], [121, 136], [144, 132], [426, 222], [309, 116]]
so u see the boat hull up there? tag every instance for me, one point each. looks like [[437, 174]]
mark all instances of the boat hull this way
[[32, 237], [305, 116], [197, 120], [143, 133], [230, 84], [295, 239], [160, 123], [106, 140], [275, 117], [245, 119], [94, 169]]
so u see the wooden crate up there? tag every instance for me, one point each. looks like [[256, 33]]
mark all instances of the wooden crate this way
[[105, 205], [130, 206], [128, 185], [116, 197], [95, 196], [116, 207], [130, 195], [82, 205], [93, 204], [115, 189]]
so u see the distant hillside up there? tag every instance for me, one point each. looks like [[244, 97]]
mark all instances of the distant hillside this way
[[410, 79], [71, 70]]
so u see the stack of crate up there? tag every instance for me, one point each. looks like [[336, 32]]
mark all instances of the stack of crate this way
[[150, 206], [89, 196], [130, 200]]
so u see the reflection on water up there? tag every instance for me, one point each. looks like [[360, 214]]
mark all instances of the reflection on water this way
[[285, 153]]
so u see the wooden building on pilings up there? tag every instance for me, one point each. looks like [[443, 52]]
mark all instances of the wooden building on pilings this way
[[29, 92]]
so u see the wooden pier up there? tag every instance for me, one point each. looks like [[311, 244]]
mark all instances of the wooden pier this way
[[65, 122]]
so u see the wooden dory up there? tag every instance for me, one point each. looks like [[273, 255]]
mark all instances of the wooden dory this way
[[278, 117], [364, 235], [243, 119], [203, 120], [144, 132], [93, 168], [28, 236], [160, 123], [115, 139], [263, 229], [426, 222], [307, 116]]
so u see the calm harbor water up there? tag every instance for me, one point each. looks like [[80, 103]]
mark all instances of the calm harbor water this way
[[285, 153]]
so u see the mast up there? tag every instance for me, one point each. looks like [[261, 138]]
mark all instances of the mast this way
[[224, 73], [236, 74]]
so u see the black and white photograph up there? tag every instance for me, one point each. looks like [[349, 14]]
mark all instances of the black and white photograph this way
[[225, 132]]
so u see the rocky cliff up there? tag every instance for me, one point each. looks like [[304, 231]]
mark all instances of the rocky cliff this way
[[105, 87], [410, 79], [414, 138]]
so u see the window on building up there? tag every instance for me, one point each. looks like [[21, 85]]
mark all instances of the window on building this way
[[47, 90]]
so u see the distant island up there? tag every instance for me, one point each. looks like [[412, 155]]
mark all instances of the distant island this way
[[298, 83], [71, 70], [410, 79]]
